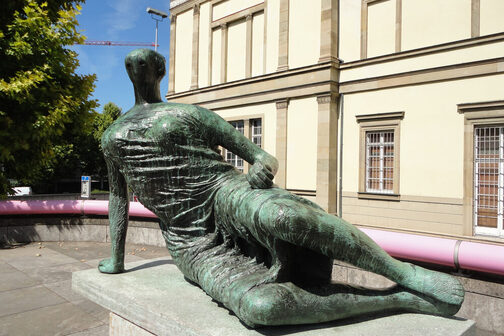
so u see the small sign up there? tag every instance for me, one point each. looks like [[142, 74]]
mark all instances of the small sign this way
[[85, 186]]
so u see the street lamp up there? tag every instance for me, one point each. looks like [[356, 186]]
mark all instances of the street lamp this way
[[156, 15]]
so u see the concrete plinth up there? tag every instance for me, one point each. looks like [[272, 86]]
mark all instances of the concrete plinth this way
[[152, 297]]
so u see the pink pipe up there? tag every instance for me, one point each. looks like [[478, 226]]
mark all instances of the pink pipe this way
[[481, 257], [442, 251], [414, 247], [84, 207]]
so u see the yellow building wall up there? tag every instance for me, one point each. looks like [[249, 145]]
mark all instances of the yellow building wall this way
[[237, 35], [304, 32], [183, 51], [491, 16], [381, 28], [350, 30], [229, 7], [302, 144], [258, 44], [272, 25], [204, 39], [475, 53], [432, 132], [430, 22], [268, 113], [216, 56]]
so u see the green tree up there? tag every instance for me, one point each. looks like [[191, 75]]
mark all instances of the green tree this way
[[43, 102], [102, 121]]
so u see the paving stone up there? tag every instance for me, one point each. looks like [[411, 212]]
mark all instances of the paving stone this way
[[98, 331], [24, 299], [10, 279], [61, 319], [64, 289], [55, 273], [81, 250], [39, 258], [93, 309]]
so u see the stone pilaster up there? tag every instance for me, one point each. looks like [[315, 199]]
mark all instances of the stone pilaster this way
[[327, 152], [329, 31], [281, 142], [283, 40], [248, 47], [195, 47], [224, 48], [171, 68]]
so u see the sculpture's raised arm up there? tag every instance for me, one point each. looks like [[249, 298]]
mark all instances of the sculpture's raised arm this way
[[264, 166]]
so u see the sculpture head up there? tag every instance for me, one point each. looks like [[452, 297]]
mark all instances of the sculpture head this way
[[145, 68]]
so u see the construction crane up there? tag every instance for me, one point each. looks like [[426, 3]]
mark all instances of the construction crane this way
[[112, 43]]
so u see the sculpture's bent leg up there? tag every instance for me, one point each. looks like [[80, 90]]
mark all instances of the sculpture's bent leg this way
[[329, 235], [285, 303]]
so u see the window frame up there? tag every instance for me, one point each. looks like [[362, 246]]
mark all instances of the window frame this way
[[247, 132], [490, 113], [389, 121]]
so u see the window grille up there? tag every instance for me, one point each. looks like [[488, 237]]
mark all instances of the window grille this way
[[256, 128], [231, 158], [488, 180], [380, 162]]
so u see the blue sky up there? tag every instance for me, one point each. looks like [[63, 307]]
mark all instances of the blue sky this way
[[118, 20]]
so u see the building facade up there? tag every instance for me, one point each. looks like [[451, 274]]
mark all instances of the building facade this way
[[389, 113]]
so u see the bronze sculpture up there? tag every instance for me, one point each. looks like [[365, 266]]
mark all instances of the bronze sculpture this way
[[264, 253]]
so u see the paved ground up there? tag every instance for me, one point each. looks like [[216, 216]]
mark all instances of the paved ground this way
[[35, 288]]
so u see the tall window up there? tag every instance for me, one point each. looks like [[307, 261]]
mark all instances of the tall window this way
[[489, 179], [379, 155], [380, 162], [252, 129], [256, 128], [231, 158]]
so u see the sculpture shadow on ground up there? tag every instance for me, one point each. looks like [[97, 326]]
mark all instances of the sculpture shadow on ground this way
[[150, 264]]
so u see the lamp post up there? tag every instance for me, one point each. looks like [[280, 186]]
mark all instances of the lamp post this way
[[157, 16]]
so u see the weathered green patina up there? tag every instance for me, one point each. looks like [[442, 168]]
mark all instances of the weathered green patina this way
[[264, 253]]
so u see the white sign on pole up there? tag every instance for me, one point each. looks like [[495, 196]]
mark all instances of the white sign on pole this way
[[85, 186]]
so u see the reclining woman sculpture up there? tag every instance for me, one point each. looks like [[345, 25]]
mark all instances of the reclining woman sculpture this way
[[262, 252]]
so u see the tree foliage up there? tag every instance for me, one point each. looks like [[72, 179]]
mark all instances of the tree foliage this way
[[44, 104], [102, 121]]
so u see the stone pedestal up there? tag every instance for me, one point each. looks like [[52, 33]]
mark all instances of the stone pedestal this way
[[153, 298]]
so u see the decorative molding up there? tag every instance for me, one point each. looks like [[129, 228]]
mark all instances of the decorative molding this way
[[243, 14], [307, 81], [282, 104], [327, 98], [378, 196], [480, 106], [173, 18], [467, 43], [175, 3], [196, 8], [379, 116], [452, 72]]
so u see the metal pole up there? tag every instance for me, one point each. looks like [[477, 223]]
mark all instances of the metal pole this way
[[155, 47]]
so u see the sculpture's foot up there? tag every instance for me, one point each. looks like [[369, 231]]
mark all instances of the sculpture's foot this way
[[110, 266], [446, 291]]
